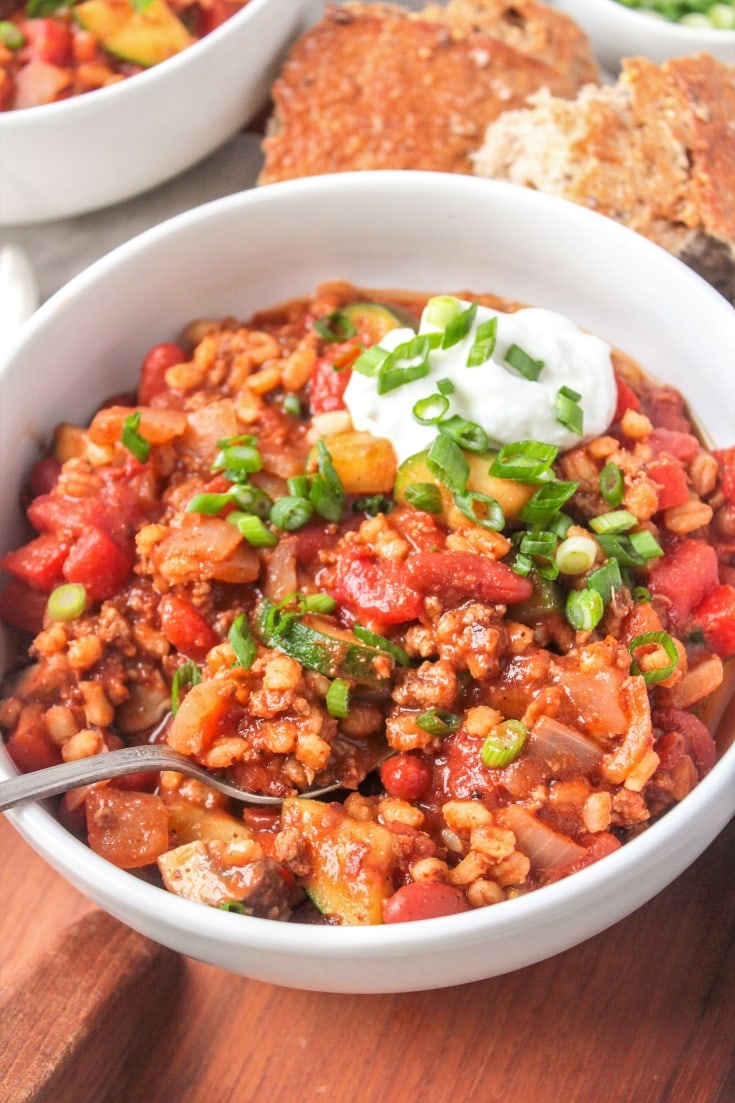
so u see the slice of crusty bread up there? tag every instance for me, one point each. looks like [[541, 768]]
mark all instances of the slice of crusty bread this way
[[655, 151], [374, 86]]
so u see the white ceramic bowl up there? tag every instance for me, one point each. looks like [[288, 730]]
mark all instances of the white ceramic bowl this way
[[404, 230], [92, 150], [617, 32]]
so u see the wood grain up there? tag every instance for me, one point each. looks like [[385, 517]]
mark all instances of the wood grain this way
[[643, 1013]]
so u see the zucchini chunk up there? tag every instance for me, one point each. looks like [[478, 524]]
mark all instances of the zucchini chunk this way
[[352, 861], [142, 37], [510, 495], [372, 321]]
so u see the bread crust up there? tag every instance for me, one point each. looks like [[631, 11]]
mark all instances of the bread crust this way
[[374, 86]]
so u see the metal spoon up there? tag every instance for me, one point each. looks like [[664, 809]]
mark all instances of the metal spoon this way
[[150, 756]]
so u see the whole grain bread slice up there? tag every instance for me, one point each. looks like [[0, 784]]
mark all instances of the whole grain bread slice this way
[[374, 86], [656, 151]]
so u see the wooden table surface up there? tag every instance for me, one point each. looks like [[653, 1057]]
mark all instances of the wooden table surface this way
[[643, 1013]]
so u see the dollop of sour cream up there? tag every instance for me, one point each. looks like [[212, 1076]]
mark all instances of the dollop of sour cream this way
[[494, 395]]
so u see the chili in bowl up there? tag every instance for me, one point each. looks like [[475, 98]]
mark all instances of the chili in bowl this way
[[317, 538]]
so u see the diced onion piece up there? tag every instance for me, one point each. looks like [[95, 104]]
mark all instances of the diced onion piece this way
[[547, 849], [550, 740]]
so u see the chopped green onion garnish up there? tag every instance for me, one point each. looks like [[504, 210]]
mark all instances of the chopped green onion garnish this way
[[66, 602], [547, 501], [426, 496], [238, 438], [11, 35], [458, 327], [371, 360], [238, 460], [326, 493], [291, 513], [606, 580], [188, 674], [491, 514], [467, 434], [292, 405], [406, 363], [504, 744], [654, 639], [235, 906], [523, 565], [575, 555], [243, 644], [568, 411], [373, 505], [445, 386], [252, 529], [132, 439], [584, 609], [438, 721], [612, 485], [319, 603], [446, 461], [211, 504], [441, 309], [484, 346], [430, 410], [374, 640], [646, 544], [641, 595], [560, 525], [338, 699], [298, 485], [336, 326], [524, 364], [620, 520], [525, 461]]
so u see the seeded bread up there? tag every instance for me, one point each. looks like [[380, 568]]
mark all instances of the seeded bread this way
[[655, 151], [374, 86]]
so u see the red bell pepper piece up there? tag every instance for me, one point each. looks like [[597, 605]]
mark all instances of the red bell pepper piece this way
[[716, 615]]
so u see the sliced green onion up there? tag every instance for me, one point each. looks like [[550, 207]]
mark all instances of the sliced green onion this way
[[66, 602], [538, 543], [292, 405], [438, 721], [336, 326], [243, 644], [620, 520], [575, 555], [326, 493], [211, 504], [382, 644], [319, 603], [291, 513], [524, 364], [491, 514], [584, 609], [646, 544], [235, 906], [525, 461], [373, 505], [523, 565], [188, 674], [430, 410], [504, 744], [458, 327], [560, 525], [408, 362], [612, 485], [298, 485], [338, 699], [441, 310], [371, 360], [654, 639], [567, 410], [606, 580], [11, 35], [252, 529], [133, 440], [547, 501], [467, 434], [641, 595], [237, 439], [239, 459], [446, 461], [426, 496], [484, 346], [445, 386]]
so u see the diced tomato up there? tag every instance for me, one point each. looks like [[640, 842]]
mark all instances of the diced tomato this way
[[700, 745], [328, 384], [595, 847], [685, 576], [64, 516], [213, 15], [185, 628], [424, 900], [22, 607], [671, 481], [128, 829], [405, 776], [197, 723], [420, 529], [377, 589], [726, 460], [39, 562], [462, 576], [683, 446], [666, 409], [30, 746], [99, 563], [716, 614], [627, 398], [47, 40], [154, 367], [44, 476]]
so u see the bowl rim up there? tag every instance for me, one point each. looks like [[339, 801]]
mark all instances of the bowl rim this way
[[76, 107], [81, 866], [632, 17]]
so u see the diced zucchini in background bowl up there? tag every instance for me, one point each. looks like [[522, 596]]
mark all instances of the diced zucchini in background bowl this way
[[144, 37]]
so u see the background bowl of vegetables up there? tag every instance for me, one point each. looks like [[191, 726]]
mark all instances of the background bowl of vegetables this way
[[430, 234], [104, 99], [656, 29]]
